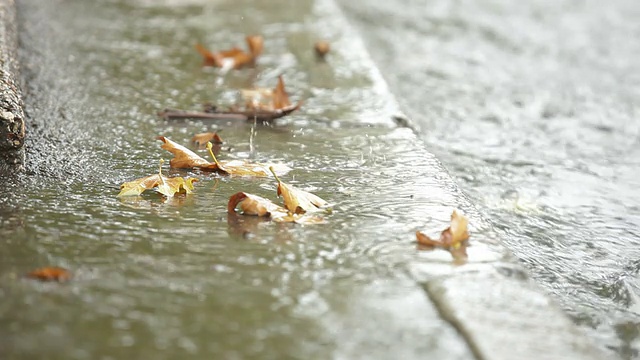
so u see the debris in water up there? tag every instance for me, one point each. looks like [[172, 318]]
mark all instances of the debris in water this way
[[322, 48], [202, 139], [453, 239], [249, 204], [234, 58], [261, 105], [298, 201], [50, 274], [164, 185], [187, 159]]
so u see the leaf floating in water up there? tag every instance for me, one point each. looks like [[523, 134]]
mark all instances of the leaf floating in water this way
[[202, 139], [50, 274], [260, 105], [453, 239], [187, 159], [234, 58], [249, 204], [276, 99], [165, 186], [298, 201]]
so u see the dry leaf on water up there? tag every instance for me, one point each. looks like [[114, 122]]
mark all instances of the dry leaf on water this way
[[203, 138], [255, 205], [250, 204], [298, 201], [165, 186], [234, 58], [184, 158], [453, 239], [50, 274], [260, 105], [268, 99], [187, 159]]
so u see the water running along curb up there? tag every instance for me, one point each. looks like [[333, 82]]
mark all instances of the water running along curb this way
[[12, 131], [489, 301]]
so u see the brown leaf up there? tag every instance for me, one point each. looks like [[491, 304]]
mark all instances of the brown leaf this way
[[203, 138], [50, 274], [255, 44], [453, 239], [298, 201], [234, 58], [254, 205], [187, 159], [262, 99], [209, 58], [249, 204], [280, 96]]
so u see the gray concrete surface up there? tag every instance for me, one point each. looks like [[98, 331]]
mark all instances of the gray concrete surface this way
[[370, 304], [12, 130]]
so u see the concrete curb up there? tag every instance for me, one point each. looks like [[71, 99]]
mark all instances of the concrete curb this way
[[492, 303], [12, 130]]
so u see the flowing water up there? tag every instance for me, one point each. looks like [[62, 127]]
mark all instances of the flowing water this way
[[534, 109], [180, 278]]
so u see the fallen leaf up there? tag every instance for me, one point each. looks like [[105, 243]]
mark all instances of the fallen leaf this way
[[249, 204], [453, 239], [175, 185], [259, 98], [267, 99], [322, 48], [50, 274], [298, 201], [203, 138], [166, 186], [184, 158], [260, 105], [302, 219], [187, 159], [234, 58], [255, 44], [280, 96]]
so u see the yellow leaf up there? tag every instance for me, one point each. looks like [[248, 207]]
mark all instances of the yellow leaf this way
[[298, 201], [138, 186], [166, 186], [176, 185], [458, 228], [453, 239]]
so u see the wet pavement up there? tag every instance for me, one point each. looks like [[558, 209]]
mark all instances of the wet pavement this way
[[533, 108], [179, 278]]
